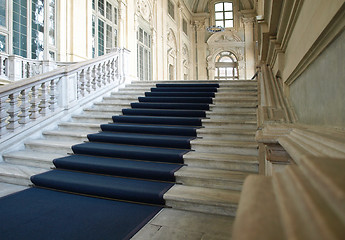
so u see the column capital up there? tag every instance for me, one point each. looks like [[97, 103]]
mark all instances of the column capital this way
[[248, 20]]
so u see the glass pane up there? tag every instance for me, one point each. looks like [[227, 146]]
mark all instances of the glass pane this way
[[220, 23], [101, 7], [52, 22], [225, 59], [115, 37], [109, 35], [109, 12], [93, 36], [228, 15], [229, 71], [229, 23], [227, 6], [115, 16], [93, 4], [171, 9], [100, 37], [37, 31], [51, 56], [222, 72], [3, 13], [2, 43], [218, 7], [219, 16]]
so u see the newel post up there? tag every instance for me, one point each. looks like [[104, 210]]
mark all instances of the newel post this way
[[15, 68], [69, 90]]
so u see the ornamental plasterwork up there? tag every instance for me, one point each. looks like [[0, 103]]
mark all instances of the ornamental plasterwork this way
[[144, 9], [171, 39]]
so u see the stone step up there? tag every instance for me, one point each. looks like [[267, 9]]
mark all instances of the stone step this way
[[226, 134], [112, 105], [237, 104], [102, 112], [222, 161], [211, 178], [42, 159], [234, 92], [80, 126], [6, 189], [225, 146], [136, 88], [17, 174], [224, 123], [129, 99], [231, 115], [128, 94], [201, 199], [41, 145], [232, 109], [300, 202], [92, 118], [60, 135], [235, 99]]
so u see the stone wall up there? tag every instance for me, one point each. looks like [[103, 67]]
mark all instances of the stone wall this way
[[318, 93]]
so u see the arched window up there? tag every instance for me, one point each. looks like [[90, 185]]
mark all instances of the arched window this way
[[226, 66]]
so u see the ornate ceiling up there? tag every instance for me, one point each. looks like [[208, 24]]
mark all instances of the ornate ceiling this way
[[201, 5]]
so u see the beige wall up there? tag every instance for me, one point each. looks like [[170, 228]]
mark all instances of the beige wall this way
[[318, 94]]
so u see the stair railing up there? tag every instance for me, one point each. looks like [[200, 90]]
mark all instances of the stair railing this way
[[28, 102]]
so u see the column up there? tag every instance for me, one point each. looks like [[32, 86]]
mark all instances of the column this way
[[249, 45], [201, 48]]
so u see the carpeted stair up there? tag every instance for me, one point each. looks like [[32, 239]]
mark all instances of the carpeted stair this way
[[134, 158]]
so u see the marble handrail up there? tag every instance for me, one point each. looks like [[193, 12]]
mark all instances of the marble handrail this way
[[25, 101]]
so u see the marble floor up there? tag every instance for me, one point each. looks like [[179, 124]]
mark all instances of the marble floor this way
[[171, 224]]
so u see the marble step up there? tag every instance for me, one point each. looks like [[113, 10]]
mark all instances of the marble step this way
[[258, 213], [232, 100], [300, 202], [237, 104], [239, 88], [232, 109], [6, 189], [60, 135], [136, 88], [233, 92], [80, 126], [18, 174], [60, 147], [92, 118], [40, 159], [100, 111], [201, 199], [222, 161], [225, 146], [115, 106], [226, 134], [211, 178], [224, 123], [231, 115], [128, 94], [129, 99]]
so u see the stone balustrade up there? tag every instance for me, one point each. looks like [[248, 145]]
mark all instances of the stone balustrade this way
[[25, 101]]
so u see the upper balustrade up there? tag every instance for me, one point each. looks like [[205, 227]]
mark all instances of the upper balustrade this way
[[24, 102]]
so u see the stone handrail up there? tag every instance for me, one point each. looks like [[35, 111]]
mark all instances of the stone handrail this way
[[26, 101]]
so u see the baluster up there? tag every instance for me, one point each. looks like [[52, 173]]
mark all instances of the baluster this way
[[34, 103], [53, 95], [81, 84], [13, 112], [104, 74], [109, 71], [44, 99], [24, 107], [3, 116], [93, 78], [99, 75], [88, 81]]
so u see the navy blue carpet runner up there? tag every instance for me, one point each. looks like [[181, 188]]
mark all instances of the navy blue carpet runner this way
[[113, 184]]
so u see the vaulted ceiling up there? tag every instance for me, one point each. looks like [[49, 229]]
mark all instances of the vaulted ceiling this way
[[201, 5]]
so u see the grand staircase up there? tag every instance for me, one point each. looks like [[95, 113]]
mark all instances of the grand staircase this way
[[223, 154]]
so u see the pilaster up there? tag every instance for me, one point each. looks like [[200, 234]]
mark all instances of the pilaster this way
[[200, 27], [249, 46]]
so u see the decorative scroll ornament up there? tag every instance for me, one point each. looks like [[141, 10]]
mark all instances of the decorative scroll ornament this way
[[215, 29]]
